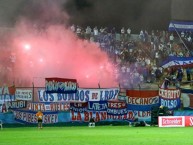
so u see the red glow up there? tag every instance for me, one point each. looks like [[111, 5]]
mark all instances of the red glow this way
[[59, 53], [56, 52], [27, 47]]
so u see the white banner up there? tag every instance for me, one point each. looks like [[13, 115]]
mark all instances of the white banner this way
[[82, 95], [21, 94]]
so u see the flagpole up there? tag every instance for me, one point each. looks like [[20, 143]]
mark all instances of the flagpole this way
[[181, 38]]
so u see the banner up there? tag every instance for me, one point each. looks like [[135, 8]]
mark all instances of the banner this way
[[181, 26], [61, 85], [79, 107], [97, 106], [23, 116], [7, 98], [170, 98], [174, 61], [116, 108], [99, 116], [7, 93], [141, 102], [187, 98], [21, 94], [58, 106], [16, 104], [82, 95], [7, 90]]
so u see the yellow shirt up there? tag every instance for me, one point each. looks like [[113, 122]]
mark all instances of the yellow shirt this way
[[39, 115]]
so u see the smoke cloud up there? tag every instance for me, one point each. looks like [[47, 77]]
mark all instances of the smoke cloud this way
[[43, 46]]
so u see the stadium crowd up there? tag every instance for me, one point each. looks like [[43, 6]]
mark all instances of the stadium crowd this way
[[139, 57]]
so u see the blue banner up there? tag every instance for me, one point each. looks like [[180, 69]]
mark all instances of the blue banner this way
[[97, 106], [141, 107], [24, 116], [170, 98], [180, 26]]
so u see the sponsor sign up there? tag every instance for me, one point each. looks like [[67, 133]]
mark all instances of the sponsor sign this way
[[188, 120], [171, 121]]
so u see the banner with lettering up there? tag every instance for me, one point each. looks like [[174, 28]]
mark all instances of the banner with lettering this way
[[23, 94], [49, 106], [79, 107], [170, 98], [96, 106], [7, 90], [60, 85], [181, 26], [7, 93], [99, 116], [117, 108], [16, 104], [23, 116], [82, 95], [141, 102]]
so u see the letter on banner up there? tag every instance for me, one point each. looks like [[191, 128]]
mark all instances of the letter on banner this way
[[21, 94], [61, 85]]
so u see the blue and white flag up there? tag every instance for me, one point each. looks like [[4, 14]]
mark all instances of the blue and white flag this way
[[180, 26]]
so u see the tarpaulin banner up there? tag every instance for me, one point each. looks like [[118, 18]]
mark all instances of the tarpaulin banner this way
[[79, 107], [60, 85], [181, 26], [142, 100], [23, 94], [97, 106], [117, 108], [174, 61], [99, 116], [82, 95], [170, 98], [7, 90], [16, 104], [23, 116], [49, 106], [7, 93]]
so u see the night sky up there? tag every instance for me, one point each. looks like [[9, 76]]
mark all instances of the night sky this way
[[136, 14]]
